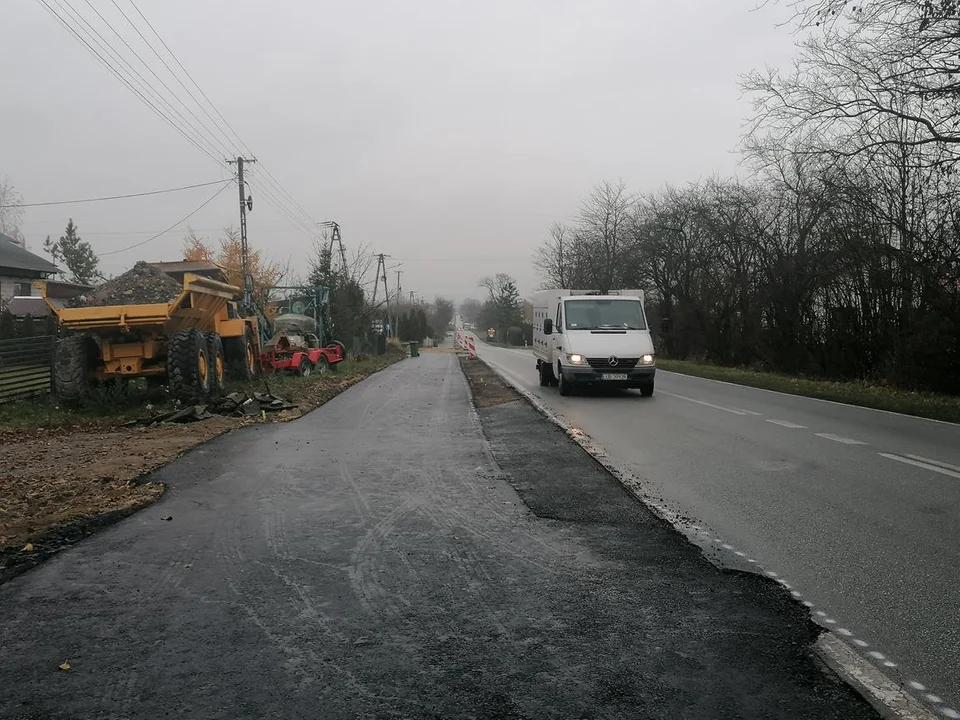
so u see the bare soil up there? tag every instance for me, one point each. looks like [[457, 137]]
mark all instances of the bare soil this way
[[487, 387], [58, 485]]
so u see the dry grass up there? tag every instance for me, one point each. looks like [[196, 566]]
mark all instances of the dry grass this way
[[928, 405]]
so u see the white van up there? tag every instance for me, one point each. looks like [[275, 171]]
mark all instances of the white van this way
[[583, 338]]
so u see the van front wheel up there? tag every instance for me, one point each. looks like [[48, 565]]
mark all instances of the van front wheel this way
[[563, 384]]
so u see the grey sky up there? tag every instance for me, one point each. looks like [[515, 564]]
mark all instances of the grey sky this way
[[446, 134]]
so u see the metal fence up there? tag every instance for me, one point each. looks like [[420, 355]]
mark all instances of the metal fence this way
[[25, 366]]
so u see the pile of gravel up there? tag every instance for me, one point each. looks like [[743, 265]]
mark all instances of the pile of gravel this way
[[140, 285]]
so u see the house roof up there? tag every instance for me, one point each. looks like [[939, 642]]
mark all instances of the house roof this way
[[22, 306], [15, 257]]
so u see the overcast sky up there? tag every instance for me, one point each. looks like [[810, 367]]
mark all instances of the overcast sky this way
[[447, 134]]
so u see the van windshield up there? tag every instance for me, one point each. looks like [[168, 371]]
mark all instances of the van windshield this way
[[604, 315]]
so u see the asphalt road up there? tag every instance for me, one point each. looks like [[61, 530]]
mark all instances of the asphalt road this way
[[384, 558], [857, 510]]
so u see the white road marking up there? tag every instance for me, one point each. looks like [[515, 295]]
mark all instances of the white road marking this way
[[844, 632], [924, 465], [917, 686], [749, 412], [877, 655], [949, 712], [840, 439], [928, 461], [888, 663], [740, 386], [740, 554], [788, 424], [861, 643], [930, 697], [702, 402]]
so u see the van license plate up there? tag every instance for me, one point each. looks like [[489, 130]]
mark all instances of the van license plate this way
[[614, 376]]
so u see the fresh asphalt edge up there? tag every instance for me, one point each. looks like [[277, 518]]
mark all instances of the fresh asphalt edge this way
[[888, 698]]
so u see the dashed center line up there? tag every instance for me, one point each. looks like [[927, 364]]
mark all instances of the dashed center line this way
[[926, 464], [928, 461], [787, 424], [840, 439], [703, 402]]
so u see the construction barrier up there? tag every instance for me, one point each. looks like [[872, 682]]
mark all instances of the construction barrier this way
[[470, 346]]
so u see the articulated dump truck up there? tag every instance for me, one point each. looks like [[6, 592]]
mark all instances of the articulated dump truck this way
[[190, 343]]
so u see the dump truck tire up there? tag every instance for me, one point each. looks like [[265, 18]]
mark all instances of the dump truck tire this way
[[217, 364], [73, 362], [188, 365], [306, 367], [241, 357]]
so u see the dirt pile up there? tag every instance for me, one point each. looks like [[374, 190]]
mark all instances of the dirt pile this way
[[140, 285]]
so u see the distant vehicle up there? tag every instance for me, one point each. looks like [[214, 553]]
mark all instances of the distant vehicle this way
[[296, 347], [584, 338]]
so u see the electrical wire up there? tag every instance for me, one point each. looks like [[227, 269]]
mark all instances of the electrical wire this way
[[178, 222], [114, 197], [116, 73], [269, 176], [199, 134]]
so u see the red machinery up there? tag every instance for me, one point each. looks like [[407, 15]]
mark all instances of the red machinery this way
[[295, 348]]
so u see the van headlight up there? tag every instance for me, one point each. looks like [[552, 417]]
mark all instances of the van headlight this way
[[575, 359], [646, 360]]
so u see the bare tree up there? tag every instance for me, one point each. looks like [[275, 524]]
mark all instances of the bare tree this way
[[11, 212], [863, 65], [554, 258]]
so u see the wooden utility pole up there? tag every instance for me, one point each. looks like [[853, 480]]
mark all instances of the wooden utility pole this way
[[382, 277], [246, 203]]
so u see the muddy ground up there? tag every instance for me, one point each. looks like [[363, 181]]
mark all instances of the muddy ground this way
[[60, 484], [485, 385]]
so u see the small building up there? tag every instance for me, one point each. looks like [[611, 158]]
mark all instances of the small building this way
[[19, 269]]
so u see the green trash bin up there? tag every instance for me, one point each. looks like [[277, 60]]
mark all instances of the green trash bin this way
[[414, 349]]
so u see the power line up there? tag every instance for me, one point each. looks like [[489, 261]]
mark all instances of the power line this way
[[114, 197], [198, 133], [268, 176], [117, 73], [178, 222]]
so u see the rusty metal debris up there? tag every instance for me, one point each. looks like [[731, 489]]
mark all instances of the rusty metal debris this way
[[241, 404]]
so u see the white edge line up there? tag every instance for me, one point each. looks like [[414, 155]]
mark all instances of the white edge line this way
[[882, 693], [925, 466], [807, 397], [928, 461], [886, 696]]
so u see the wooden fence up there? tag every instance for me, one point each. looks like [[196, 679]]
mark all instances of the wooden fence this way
[[25, 366]]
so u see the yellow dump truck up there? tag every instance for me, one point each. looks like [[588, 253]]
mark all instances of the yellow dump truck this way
[[187, 342]]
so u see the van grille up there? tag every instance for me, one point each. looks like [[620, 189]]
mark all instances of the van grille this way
[[622, 365]]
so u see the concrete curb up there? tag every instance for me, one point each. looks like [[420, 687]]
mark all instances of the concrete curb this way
[[891, 700]]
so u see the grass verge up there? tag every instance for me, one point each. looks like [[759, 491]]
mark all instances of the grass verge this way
[[927, 405]]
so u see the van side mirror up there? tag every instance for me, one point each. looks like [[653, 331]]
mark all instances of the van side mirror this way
[[548, 327]]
